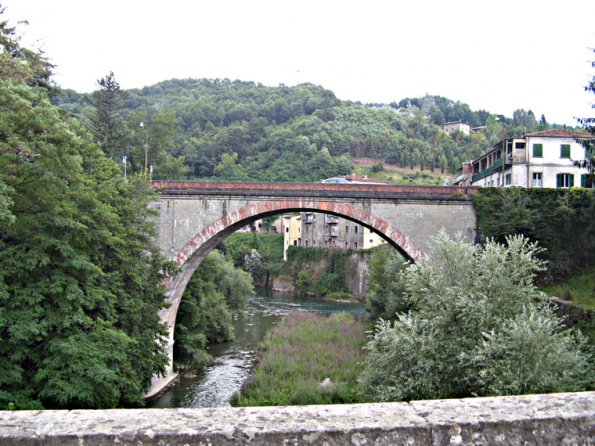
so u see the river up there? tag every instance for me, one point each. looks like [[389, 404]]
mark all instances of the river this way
[[233, 361]]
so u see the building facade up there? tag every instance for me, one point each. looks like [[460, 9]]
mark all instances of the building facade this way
[[456, 126], [318, 230], [541, 159]]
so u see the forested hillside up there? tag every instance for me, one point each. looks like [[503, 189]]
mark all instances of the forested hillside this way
[[234, 130]]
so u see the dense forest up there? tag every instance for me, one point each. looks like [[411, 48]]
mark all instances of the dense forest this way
[[235, 130]]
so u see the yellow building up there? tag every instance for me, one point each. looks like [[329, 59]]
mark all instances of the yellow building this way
[[314, 230], [292, 228]]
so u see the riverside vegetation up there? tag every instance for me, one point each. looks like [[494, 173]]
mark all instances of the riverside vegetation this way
[[561, 221], [307, 359], [468, 322]]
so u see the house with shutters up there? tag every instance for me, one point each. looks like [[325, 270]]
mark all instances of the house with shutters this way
[[550, 158]]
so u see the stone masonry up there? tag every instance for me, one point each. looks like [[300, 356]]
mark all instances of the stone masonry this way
[[532, 420]]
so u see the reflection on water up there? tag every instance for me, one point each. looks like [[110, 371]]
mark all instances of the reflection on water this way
[[233, 361]]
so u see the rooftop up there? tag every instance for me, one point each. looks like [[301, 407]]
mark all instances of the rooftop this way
[[560, 133]]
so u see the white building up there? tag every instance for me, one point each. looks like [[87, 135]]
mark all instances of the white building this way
[[542, 159], [455, 126]]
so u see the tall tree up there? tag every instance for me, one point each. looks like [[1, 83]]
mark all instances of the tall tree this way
[[19, 63], [106, 121], [79, 276]]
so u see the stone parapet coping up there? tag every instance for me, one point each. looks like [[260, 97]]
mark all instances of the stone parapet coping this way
[[551, 419]]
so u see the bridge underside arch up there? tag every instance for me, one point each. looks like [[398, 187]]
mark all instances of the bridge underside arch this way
[[191, 255], [210, 236]]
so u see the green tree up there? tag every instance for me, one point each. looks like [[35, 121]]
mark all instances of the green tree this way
[[79, 276], [21, 64], [386, 297], [106, 121], [474, 328], [543, 125], [229, 169]]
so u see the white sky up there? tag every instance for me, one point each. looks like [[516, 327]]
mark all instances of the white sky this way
[[497, 55]]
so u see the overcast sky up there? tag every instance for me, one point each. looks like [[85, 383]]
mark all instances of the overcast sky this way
[[497, 55]]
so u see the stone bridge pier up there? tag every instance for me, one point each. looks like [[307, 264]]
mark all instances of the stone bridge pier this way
[[195, 216]]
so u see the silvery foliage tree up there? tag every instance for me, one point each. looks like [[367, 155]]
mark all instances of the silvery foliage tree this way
[[476, 326]]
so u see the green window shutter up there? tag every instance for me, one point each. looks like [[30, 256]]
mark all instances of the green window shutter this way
[[559, 180], [565, 151], [583, 180], [571, 181], [537, 150]]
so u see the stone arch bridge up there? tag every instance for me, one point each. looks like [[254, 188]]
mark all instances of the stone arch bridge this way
[[194, 216]]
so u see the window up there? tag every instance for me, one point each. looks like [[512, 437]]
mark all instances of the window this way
[[565, 151], [537, 179], [356, 229], [508, 179], [537, 150], [565, 180], [588, 180]]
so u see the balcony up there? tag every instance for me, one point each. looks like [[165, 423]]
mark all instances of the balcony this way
[[487, 172], [331, 219]]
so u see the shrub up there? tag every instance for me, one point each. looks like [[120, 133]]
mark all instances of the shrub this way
[[475, 327]]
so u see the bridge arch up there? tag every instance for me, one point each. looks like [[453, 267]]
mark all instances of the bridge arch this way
[[211, 235], [188, 259], [191, 255]]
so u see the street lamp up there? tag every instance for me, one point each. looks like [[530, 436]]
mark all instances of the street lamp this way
[[142, 126]]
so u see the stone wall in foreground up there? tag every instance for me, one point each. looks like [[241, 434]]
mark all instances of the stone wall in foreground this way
[[554, 419]]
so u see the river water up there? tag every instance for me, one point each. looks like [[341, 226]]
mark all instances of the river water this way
[[233, 361]]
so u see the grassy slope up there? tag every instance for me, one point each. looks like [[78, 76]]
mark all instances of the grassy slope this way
[[579, 289], [395, 174]]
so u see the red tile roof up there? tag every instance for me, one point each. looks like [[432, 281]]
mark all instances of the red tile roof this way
[[560, 133]]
